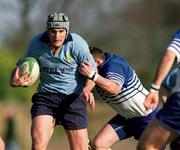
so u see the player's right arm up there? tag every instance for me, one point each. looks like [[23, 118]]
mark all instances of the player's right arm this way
[[15, 80], [165, 65], [111, 87]]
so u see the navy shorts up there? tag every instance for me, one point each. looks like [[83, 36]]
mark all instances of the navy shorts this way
[[132, 127], [68, 110], [169, 115]]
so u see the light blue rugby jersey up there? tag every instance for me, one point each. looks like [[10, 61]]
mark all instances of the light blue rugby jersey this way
[[59, 73], [116, 68]]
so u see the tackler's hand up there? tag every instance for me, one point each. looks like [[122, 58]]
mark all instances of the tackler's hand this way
[[86, 69]]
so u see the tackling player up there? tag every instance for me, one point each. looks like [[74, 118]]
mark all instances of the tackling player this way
[[119, 86]]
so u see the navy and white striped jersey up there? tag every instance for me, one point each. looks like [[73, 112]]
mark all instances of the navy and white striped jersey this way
[[129, 102], [175, 45]]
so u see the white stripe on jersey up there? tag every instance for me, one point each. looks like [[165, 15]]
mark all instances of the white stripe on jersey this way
[[175, 46], [134, 87], [175, 39], [176, 42], [116, 77]]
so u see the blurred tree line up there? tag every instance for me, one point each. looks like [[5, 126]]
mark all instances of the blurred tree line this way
[[138, 30]]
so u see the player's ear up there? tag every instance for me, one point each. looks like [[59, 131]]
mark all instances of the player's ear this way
[[98, 61]]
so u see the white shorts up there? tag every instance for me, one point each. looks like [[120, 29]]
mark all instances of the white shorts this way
[[134, 106]]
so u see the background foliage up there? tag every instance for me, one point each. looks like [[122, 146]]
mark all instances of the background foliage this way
[[138, 30], [135, 29]]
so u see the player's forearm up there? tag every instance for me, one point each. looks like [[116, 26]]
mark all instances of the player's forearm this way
[[108, 86], [89, 85], [164, 67]]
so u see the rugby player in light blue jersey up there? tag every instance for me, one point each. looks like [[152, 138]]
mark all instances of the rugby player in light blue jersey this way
[[119, 86], [62, 92], [165, 127]]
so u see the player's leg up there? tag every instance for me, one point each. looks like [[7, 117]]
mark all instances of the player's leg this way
[[2, 145], [78, 139], [165, 127], [105, 138], [43, 122], [41, 131], [155, 136], [111, 133], [75, 121]]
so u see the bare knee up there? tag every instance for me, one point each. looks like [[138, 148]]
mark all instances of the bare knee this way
[[97, 144], [39, 140], [41, 131], [37, 143]]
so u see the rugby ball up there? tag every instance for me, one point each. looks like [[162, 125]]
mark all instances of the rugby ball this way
[[30, 66]]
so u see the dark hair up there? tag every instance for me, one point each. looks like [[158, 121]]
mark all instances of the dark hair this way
[[97, 53]]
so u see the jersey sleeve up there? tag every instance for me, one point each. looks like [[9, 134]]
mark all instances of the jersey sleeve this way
[[174, 45], [116, 72], [82, 52]]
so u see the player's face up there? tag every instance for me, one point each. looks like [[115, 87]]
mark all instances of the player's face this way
[[57, 37]]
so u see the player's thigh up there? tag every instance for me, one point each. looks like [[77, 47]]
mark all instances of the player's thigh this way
[[42, 126], [78, 139], [106, 137], [156, 135]]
